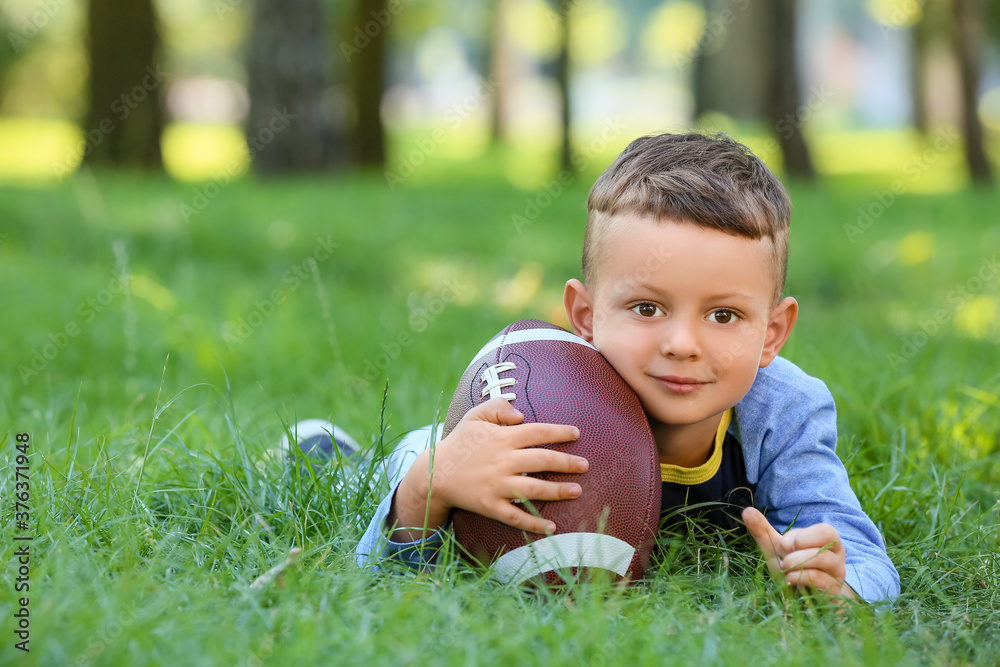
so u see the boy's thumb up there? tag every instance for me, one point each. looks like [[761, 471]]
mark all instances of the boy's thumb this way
[[766, 537], [762, 531], [498, 411]]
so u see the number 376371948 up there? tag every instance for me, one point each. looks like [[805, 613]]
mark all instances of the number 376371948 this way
[[22, 489]]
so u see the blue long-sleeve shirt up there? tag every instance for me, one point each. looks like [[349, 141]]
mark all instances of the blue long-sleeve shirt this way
[[787, 427]]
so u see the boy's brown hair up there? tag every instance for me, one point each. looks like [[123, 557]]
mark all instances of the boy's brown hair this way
[[707, 180]]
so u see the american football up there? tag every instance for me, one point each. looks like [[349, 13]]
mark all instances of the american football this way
[[554, 376]]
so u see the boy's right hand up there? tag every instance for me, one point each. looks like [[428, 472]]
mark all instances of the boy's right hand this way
[[480, 467]]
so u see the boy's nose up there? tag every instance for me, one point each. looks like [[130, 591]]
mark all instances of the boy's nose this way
[[679, 342]]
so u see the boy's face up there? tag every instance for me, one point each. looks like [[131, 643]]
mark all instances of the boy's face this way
[[685, 314]]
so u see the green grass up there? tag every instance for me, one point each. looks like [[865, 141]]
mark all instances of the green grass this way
[[156, 502]]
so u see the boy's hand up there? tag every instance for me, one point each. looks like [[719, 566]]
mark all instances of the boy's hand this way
[[479, 467], [812, 557]]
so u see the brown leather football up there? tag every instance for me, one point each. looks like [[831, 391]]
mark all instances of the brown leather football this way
[[554, 376]]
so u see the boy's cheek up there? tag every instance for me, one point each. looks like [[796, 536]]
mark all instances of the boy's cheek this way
[[612, 350]]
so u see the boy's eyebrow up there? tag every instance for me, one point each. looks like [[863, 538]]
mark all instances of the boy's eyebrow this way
[[730, 295], [712, 297], [629, 285]]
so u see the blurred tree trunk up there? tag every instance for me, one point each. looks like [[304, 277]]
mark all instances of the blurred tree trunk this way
[[498, 67], [562, 75], [731, 61], [968, 39], [368, 82], [786, 110], [124, 121], [920, 40], [290, 126], [10, 48]]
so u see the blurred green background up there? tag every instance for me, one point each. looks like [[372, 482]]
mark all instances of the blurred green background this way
[[841, 89], [146, 119], [204, 148]]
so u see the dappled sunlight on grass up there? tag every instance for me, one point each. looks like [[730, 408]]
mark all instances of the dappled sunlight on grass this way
[[901, 159], [920, 165], [915, 248], [895, 13], [515, 293], [960, 436], [460, 135], [672, 32], [40, 150], [979, 318], [152, 292], [201, 152], [37, 150], [461, 280], [32, 149], [529, 165]]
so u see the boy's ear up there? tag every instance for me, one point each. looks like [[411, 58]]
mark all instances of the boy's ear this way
[[779, 328], [579, 309]]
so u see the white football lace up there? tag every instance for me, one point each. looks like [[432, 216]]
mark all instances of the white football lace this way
[[495, 384]]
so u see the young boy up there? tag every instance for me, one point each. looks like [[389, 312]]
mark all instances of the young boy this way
[[684, 265]]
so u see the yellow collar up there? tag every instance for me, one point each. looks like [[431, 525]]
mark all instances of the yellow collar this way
[[707, 470]]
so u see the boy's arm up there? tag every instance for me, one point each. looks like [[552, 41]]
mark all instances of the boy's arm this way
[[800, 480], [376, 544], [481, 467]]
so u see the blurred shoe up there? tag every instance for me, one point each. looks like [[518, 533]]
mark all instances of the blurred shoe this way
[[320, 441]]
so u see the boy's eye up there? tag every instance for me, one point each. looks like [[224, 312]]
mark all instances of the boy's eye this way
[[723, 316], [646, 310]]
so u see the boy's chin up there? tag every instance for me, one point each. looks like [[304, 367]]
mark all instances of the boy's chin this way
[[661, 417]]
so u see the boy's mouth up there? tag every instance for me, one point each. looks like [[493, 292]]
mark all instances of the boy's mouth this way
[[678, 384]]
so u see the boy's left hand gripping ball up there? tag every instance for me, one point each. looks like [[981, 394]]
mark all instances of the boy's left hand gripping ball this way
[[555, 377]]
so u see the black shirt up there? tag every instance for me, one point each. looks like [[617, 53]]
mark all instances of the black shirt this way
[[716, 503]]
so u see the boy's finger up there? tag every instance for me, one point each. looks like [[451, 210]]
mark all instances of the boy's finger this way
[[816, 580], [813, 559], [532, 435], [532, 489], [547, 460], [509, 514], [816, 536]]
